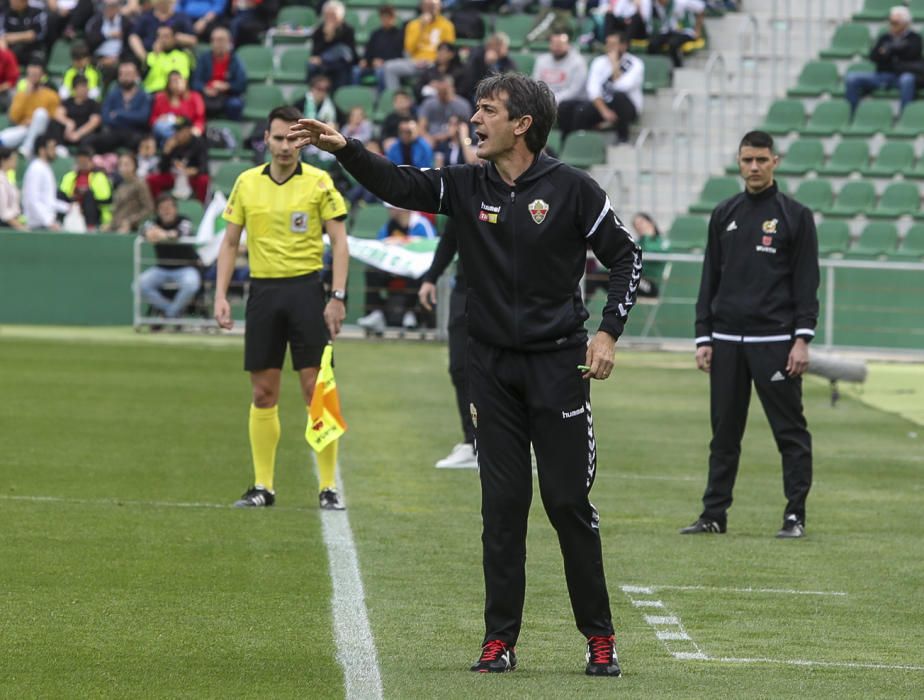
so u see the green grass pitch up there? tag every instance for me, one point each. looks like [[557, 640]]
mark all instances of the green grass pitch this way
[[119, 577]]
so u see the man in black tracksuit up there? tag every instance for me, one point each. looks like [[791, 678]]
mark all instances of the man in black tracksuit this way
[[525, 221], [755, 315]]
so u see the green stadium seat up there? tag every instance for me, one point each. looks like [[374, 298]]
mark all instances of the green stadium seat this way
[[899, 199], [554, 141], [293, 24], [856, 197], [368, 220], [236, 132], [874, 11], [910, 124], [226, 175], [917, 8], [658, 72], [850, 39], [258, 62], [912, 245], [688, 233], [383, 106], [293, 66], [361, 29], [828, 118], [582, 149], [848, 157], [516, 26], [60, 167], [260, 99], [872, 117], [524, 61], [833, 237], [815, 194], [60, 59], [716, 189], [350, 96], [801, 157], [877, 239], [192, 209], [816, 78], [917, 171], [893, 158], [784, 117], [781, 184]]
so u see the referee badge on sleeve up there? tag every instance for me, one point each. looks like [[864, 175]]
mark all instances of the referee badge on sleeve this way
[[298, 222]]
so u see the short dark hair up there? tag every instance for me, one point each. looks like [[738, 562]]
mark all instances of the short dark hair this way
[[36, 59], [163, 197], [525, 96], [620, 34], [79, 50], [6, 152], [129, 154], [86, 151], [320, 77], [43, 141], [79, 80], [757, 139], [286, 113]]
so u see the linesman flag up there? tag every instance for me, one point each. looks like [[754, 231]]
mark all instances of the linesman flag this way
[[325, 424]]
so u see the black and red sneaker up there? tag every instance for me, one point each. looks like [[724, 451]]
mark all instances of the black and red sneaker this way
[[496, 657], [601, 657]]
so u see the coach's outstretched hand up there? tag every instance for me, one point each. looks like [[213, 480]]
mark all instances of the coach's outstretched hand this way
[[311, 132]]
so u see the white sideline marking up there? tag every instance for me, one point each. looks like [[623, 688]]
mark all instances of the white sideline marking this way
[[662, 619], [692, 656], [648, 603], [124, 502], [778, 591], [673, 636], [808, 662], [637, 589]]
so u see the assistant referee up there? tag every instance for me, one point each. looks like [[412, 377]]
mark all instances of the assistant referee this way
[[282, 206]]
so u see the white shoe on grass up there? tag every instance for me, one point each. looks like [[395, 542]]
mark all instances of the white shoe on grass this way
[[461, 457]]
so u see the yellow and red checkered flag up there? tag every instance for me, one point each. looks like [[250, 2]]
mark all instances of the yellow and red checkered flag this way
[[325, 424]]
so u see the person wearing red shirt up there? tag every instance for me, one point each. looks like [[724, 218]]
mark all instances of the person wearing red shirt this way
[[9, 75], [176, 101]]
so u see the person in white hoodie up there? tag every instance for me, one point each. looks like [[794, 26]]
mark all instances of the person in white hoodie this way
[[40, 189], [563, 69]]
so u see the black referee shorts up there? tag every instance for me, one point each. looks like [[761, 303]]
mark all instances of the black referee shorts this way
[[285, 311]]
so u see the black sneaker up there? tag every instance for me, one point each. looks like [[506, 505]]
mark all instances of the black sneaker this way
[[496, 657], [256, 497], [601, 657], [703, 525], [792, 528], [329, 499]]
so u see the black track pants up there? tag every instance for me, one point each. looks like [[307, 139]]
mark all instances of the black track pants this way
[[458, 347], [734, 367], [519, 398]]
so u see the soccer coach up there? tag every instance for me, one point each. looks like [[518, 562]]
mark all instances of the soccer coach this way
[[755, 316], [525, 221]]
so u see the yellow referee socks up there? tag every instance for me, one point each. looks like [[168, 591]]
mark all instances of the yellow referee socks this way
[[264, 437], [327, 463]]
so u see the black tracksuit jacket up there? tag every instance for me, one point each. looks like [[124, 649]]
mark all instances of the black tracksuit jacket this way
[[760, 272], [524, 247]]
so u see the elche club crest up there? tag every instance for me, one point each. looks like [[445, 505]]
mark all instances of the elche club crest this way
[[538, 208], [769, 229]]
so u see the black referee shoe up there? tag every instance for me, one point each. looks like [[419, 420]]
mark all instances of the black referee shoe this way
[[256, 497], [329, 499], [792, 528], [704, 526], [496, 657], [601, 657]]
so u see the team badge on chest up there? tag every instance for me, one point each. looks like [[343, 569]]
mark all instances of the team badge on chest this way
[[538, 209], [298, 222]]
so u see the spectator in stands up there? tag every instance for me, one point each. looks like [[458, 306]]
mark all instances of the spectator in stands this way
[[184, 165], [457, 148], [422, 36], [9, 75], [563, 69], [90, 188], [401, 228], [434, 112], [105, 35], [205, 15], [614, 92], [447, 63], [402, 107], [25, 30], [40, 201], [78, 117], [250, 18], [491, 58], [30, 111], [357, 125], [897, 55], [131, 201], [673, 24], [177, 260], [148, 160], [175, 102], [10, 209], [126, 111], [164, 58], [80, 65], [145, 30], [386, 43], [67, 18], [410, 148], [649, 239], [317, 103], [221, 78], [628, 16], [333, 46]]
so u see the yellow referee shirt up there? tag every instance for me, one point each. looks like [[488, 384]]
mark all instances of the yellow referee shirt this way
[[284, 221]]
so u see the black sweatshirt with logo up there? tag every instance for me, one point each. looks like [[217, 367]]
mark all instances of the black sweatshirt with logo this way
[[760, 272], [524, 248]]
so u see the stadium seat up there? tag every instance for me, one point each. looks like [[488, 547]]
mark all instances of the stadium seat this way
[[856, 197], [554, 141], [910, 124], [816, 78], [899, 199], [524, 60], [878, 238], [688, 233], [917, 171], [917, 8], [368, 220], [912, 245], [362, 29], [260, 99], [60, 59], [849, 40], [226, 175], [237, 133], [784, 116], [516, 26], [258, 62], [874, 11], [893, 158], [60, 167], [833, 237], [848, 157], [192, 209], [803, 155], [815, 194], [717, 189], [293, 66], [582, 149], [855, 67], [872, 117], [293, 24], [658, 72], [828, 118], [350, 96], [383, 106]]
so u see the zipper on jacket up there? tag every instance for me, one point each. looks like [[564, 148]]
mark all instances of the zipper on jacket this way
[[516, 281]]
